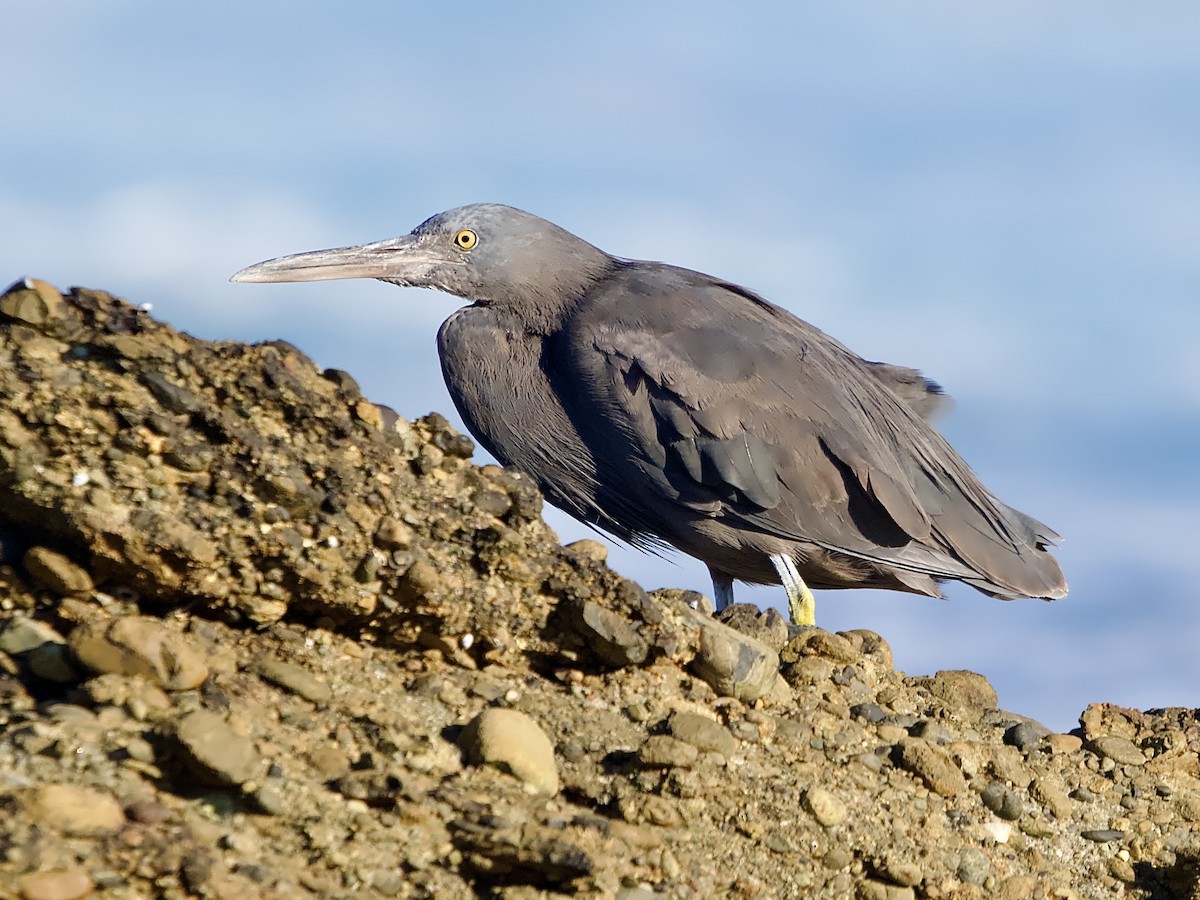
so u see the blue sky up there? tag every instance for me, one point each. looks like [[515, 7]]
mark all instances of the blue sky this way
[[1006, 195]]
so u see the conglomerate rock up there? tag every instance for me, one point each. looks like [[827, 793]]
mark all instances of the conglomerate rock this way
[[246, 616]]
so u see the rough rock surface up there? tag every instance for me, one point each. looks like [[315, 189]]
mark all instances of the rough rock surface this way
[[246, 615]]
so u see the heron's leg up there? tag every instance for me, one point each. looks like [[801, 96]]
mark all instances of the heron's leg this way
[[722, 589], [801, 605]]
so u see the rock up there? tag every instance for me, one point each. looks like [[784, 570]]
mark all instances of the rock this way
[[767, 625], [392, 534], [898, 871], [295, 679], [931, 764], [1050, 796], [608, 634], [52, 662], [22, 634], [663, 751], [214, 752], [1025, 735], [702, 732], [1003, 802], [76, 811], [816, 642], [973, 866], [733, 664], [826, 808], [1118, 749], [1103, 835], [56, 572], [144, 700], [511, 741], [960, 689], [137, 645], [60, 884], [31, 300], [588, 549]]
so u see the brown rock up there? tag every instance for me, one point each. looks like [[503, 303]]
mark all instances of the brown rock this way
[[56, 572], [215, 752], [733, 664], [138, 645], [961, 689], [1118, 749], [511, 741], [59, 884], [295, 679], [73, 810], [825, 807], [661, 751], [932, 765], [33, 301], [702, 732]]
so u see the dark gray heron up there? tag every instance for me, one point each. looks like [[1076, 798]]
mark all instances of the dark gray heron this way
[[671, 408]]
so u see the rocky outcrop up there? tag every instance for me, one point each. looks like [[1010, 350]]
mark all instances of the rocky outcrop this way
[[261, 637]]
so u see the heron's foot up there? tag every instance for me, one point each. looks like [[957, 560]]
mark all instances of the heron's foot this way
[[802, 606]]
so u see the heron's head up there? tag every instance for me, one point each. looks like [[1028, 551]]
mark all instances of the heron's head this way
[[485, 253]]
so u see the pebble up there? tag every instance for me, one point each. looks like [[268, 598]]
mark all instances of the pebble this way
[[589, 549], [139, 645], [608, 634], [1025, 735], [52, 662], [80, 811], [663, 751], [215, 752], [511, 741], [825, 807], [973, 866], [767, 625], [294, 678], [897, 871], [931, 764], [1103, 835], [871, 713], [60, 884], [1119, 750], [32, 300], [961, 689], [56, 572], [702, 732], [22, 634], [817, 642], [1003, 802], [731, 663], [1051, 797], [1064, 743]]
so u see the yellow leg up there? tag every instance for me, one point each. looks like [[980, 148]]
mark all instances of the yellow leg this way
[[802, 607]]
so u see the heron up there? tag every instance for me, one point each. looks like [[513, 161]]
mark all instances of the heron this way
[[674, 409]]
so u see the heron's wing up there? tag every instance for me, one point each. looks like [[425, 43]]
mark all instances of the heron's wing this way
[[736, 408]]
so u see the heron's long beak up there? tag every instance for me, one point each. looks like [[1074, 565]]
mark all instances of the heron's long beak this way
[[406, 260]]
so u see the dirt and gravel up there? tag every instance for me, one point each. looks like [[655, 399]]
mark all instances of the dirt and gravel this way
[[260, 637]]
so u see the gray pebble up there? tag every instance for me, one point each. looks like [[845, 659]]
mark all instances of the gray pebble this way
[[1003, 802], [1025, 735], [1104, 835], [973, 866]]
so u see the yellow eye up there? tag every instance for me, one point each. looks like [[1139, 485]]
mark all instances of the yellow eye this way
[[465, 240]]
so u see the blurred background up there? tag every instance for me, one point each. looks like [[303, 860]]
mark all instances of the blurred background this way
[[1003, 194]]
